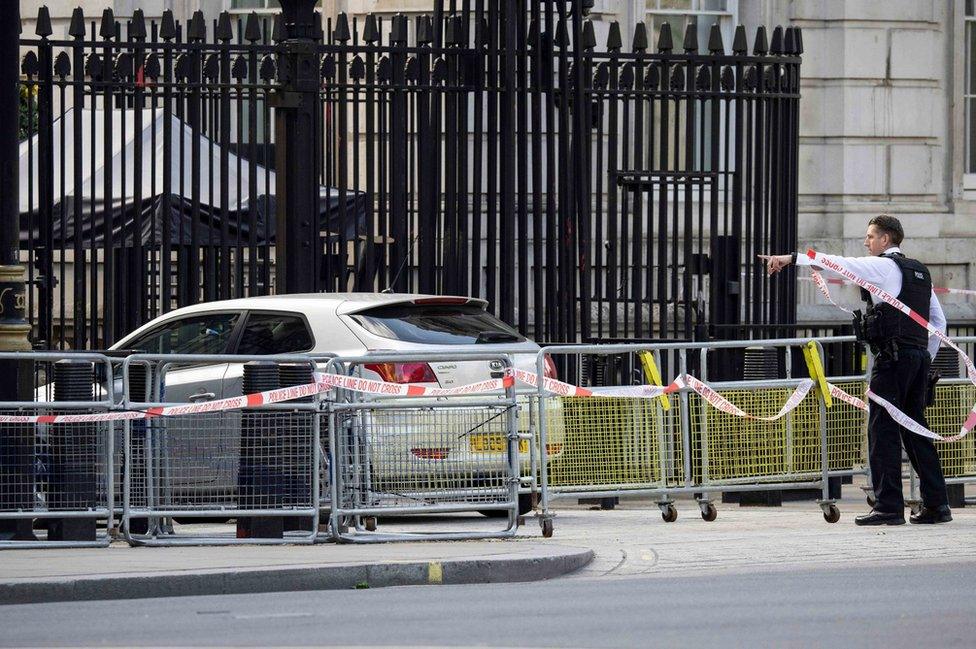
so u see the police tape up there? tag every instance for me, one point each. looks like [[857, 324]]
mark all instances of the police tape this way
[[710, 396], [373, 386], [325, 382], [896, 414], [719, 402], [821, 283], [563, 389], [825, 262], [938, 290]]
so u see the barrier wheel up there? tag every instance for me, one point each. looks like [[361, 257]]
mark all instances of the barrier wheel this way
[[831, 514], [709, 514], [547, 528], [369, 522], [916, 508], [669, 513]]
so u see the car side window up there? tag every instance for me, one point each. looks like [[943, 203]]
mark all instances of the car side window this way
[[274, 333], [206, 333]]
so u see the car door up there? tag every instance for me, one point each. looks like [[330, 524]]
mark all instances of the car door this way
[[192, 448], [203, 333], [266, 333]]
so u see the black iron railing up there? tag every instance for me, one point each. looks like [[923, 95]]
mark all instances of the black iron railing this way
[[498, 151]]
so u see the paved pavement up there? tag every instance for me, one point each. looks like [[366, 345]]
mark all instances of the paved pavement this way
[[630, 540]]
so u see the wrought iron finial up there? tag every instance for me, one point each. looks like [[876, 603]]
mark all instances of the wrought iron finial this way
[[43, 28]]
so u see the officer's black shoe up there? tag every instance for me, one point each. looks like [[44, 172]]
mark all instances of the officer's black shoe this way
[[874, 517], [929, 515]]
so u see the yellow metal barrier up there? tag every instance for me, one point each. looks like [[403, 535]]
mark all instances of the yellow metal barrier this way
[[617, 443], [732, 449], [846, 431], [952, 404]]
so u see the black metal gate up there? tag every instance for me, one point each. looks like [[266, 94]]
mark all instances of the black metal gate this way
[[490, 149]]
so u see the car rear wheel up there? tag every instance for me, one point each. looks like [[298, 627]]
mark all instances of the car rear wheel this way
[[524, 507]]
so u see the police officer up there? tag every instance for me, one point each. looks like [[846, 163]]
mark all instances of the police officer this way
[[903, 354]]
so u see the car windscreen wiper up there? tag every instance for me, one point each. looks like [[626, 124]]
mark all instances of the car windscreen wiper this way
[[496, 337]]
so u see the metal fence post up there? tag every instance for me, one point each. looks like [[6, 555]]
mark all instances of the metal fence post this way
[[16, 377], [297, 194]]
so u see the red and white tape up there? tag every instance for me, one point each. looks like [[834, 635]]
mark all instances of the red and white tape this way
[[825, 262], [711, 397], [563, 389], [326, 381], [232, 403], [373, 386], [721, 403], [938, 290], [323, 383], [896, 414]]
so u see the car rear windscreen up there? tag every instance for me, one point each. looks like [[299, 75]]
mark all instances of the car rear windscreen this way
[[448, 324]]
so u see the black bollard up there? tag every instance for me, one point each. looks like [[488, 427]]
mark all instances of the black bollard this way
[[296, 446], [73, 456], [138, 388], [259, 481]]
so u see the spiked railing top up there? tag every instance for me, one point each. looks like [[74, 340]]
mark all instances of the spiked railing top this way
[[371, 33], [278, 29], [43, 28], [614, 41], [107, 27], [252, 28], [398, 34], [77, 27], [588, 37], [715, 44], [690, 43], [137, 26], [776, 44], [167, 29], [341, 33], [665, 42], [425, 30], [224, 31], [197, 29], [760, 46], [640, 37], [739, 43]]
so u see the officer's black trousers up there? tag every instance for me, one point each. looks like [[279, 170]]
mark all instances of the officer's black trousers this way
[[903, 383]]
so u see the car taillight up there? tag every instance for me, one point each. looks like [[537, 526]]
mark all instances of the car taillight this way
[[403, 372], [550, 369], [431, 453]]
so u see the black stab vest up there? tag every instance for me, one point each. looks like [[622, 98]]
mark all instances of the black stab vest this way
[[890, 324]]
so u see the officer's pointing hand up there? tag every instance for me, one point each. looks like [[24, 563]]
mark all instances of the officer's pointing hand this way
[[776, 263]]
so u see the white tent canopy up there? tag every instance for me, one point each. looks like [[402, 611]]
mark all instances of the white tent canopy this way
[[125, 135]]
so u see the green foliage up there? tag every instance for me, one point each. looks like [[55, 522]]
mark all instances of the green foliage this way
[[28, 111]]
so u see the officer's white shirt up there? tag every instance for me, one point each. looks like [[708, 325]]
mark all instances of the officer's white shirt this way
[[885, 274]]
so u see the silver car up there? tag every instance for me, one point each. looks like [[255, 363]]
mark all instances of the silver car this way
[[345, 324]]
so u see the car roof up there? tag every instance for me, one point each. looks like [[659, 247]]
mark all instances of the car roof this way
[[311, 303]]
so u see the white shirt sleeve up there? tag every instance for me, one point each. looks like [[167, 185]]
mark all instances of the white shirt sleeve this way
[[938, 320], [879, 271]]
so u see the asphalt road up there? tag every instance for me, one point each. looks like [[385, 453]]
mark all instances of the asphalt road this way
[[894, 605]]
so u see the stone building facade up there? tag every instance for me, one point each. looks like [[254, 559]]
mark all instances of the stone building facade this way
[[887, 116]]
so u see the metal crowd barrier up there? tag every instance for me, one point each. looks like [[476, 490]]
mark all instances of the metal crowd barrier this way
[[627, 446], [257, 465], [954, 398], [56, 479], [415, 455]]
